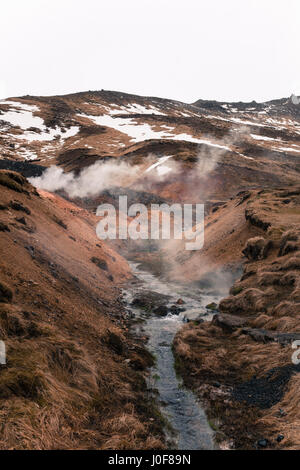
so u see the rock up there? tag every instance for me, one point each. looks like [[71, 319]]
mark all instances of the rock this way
[[149, 300], [21, 220], [263, 443], [216, 384], [101, 263], [229, 322], [259, 335], [18, 206], [6, 294], [212, 306], [59, 222], [161, 311], [176, 310], [4, 227], [235, 290], [115, 342], [199, 320], [255, 219], [257, 248], [264, 336]]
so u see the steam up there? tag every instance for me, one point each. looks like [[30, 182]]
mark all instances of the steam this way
[[101, 176], [90, 182]]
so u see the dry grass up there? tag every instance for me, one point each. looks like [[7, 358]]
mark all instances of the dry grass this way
[[268, 298], [67, 384]]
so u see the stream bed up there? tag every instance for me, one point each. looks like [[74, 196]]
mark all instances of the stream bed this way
[[190, 428]]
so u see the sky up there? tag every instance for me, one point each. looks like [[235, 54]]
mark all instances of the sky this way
[[229, 50]]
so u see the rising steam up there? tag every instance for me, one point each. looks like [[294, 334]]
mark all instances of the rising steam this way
[[101, 176], [90, 182]]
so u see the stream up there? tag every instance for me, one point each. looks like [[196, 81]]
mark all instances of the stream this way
[[190, 428]]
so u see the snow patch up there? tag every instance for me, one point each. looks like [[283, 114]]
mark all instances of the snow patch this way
[[22, 116], [158, 163], [142, 132], [263, 137], [49, 134]]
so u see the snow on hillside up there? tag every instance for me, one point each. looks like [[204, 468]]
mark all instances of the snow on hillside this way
[[21, 115], [141, 132]]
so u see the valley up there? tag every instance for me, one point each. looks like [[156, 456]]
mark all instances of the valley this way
[[142, 344]]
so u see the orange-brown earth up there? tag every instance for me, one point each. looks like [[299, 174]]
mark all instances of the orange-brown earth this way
[[74, 377], [240, 363]]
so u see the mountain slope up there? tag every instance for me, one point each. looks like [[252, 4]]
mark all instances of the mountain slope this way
[[74, 377], [248, 143], [240, 363]]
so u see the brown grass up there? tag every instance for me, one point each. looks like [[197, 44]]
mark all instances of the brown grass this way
[[70, 381]]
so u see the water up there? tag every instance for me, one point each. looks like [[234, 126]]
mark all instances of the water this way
[[180, 406]]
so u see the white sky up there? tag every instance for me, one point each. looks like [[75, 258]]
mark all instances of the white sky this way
[[227, 50]]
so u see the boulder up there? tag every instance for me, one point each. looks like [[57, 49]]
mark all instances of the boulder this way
[[4, 227], [6, 294], [229, 322], [264, 336], [101, 263], [18, 206], [212, 306]]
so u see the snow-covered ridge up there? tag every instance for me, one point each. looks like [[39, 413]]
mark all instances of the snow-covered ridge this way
[[141, 132]]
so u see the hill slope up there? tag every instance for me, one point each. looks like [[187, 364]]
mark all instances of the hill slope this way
[[73, 377], [250, 144]]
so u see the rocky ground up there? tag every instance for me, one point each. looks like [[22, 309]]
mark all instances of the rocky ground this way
[[240, 363]]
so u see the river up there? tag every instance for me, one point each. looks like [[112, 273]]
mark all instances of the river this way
[[191, 430]]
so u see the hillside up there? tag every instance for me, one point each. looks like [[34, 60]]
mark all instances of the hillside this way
[[74, 377], [247, 144], [240, 363]]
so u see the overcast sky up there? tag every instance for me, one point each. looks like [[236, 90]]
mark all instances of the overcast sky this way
[[227, 50]]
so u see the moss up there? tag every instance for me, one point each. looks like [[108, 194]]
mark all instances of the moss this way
[[236, 290], [213, 424], [212, 306]]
